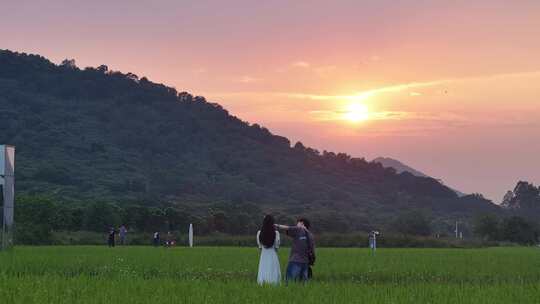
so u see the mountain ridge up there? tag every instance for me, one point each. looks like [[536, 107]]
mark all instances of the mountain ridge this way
[[94, 134], [398, 165], [401, 167]]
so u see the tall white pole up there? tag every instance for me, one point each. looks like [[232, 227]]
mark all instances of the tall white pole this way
[[456, 230], [7, 179], [190, 235]]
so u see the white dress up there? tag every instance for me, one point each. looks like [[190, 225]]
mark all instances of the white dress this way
[[269, 269]]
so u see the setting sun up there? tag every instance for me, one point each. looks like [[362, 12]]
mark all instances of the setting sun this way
[[356, 112]]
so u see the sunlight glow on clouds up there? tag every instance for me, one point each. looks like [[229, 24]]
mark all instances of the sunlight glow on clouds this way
[[248, 79], [406, 86], [300, 64]]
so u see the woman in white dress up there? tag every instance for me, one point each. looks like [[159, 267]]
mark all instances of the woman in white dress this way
[[268, 241]]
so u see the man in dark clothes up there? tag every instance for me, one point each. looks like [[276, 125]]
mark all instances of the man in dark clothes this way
[[302, 250], [111, 237]]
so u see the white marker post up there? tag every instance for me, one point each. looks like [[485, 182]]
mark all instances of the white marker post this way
[[7, 181], [190, 235]]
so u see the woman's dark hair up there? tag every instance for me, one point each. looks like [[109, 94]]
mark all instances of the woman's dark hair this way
[[267, 236]]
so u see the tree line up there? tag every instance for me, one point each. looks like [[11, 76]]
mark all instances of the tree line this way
[[513, 229], [38, 217]]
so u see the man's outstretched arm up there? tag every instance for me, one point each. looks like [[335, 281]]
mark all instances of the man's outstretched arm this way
[[282, 227], [291, 231]]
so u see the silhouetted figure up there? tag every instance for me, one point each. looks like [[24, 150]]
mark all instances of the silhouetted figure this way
[[122, 234], [110, 240], [373, 240], [170, 239], [156, 240]]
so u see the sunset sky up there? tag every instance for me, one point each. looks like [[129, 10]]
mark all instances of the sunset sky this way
[[451, 88]]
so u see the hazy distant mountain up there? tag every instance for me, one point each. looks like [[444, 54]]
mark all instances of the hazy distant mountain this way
[[401, 167], [94, 134]]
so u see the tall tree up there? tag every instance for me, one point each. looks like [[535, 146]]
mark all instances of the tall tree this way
[[517, 229], [526, 195], [487, 227]]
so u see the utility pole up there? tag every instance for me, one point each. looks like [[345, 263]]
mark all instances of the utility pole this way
[[7, 183]]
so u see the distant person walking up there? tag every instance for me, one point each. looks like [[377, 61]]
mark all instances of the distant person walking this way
[[156, 239], [110, 240], [169, 241], [122, 234], [268, 241], [373, 240], [302, 254]]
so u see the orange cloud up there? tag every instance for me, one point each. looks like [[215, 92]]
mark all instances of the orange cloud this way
[[248, 79], [301, 64]]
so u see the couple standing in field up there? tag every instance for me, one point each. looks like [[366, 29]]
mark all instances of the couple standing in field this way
[[301, 258]]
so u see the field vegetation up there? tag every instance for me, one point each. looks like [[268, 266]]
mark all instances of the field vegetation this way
[[93, 274]]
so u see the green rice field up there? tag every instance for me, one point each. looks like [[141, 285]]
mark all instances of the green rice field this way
[[93, 274]]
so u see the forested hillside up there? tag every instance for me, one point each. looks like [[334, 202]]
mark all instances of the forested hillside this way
[[89, 135]]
